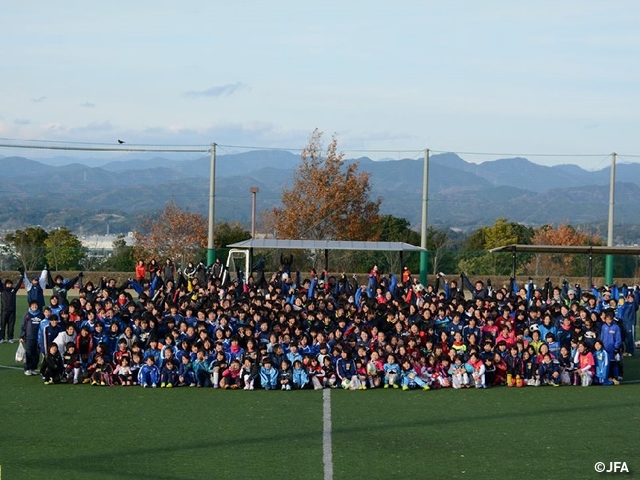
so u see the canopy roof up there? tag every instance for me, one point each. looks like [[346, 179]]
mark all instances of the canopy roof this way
[[568, 249], [274, 243]]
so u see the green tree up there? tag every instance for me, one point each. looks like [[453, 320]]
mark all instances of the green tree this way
[[476, 259], [64, 251], [225, 234], [122, 259], [393, 229], [29, 246]]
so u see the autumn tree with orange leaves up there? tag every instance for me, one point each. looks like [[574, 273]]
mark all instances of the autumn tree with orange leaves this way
[[560, 264], [329, 200], [175, 234]]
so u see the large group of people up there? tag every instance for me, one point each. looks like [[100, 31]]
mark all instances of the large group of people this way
[[198, 327]]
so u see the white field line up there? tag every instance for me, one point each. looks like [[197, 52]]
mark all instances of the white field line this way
[[327, 458], [12, 368]]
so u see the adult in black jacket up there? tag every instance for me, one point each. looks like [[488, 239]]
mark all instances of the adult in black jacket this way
[[8, 291]]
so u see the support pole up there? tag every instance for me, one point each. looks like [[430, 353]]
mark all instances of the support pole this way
[[608, 271], [211, 248], [513, 262], [425, 206], [590, 269], [326, 259]]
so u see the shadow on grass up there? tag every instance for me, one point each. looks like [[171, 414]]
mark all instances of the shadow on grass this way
[[120, 463]]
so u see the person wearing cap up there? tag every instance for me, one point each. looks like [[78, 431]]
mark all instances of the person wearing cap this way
[[627, 311]]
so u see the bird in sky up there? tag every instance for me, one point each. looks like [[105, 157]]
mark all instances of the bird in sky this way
[[120, 142]]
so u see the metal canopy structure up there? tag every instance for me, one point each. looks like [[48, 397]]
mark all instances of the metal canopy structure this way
[[589, 250], [326, 245]]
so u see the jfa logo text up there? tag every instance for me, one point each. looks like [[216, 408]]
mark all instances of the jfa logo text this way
[[614, 467]]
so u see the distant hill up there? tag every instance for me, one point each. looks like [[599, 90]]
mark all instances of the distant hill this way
[[461, 194]]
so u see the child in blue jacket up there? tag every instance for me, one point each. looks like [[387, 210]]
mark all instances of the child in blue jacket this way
[[268, 375], [300, 376], [602, 364], [149, 375], [549, 371], [410, 379], [186, 376], [391, 372]]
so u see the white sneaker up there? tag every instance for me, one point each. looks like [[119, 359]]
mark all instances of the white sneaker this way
[[12, 341], [28, 373], [288, 387], [35, 372], [1, 340], [283, 387]]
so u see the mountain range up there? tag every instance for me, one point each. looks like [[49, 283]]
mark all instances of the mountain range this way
[[84, 198]]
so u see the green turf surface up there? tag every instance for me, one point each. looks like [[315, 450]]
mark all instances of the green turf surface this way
[[544, 432], [65, 431], [79, 432]]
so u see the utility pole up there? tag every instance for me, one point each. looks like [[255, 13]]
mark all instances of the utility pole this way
[[254, 191], [211, 248], [423, 230], [608, 270]]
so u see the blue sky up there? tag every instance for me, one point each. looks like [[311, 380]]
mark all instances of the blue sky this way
[[498, 76]]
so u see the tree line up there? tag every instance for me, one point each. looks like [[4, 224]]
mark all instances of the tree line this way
[[329, 200]]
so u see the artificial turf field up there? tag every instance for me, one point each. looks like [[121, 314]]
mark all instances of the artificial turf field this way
[[80, 432]]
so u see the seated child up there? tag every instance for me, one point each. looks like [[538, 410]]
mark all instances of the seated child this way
[[123, 372], [169, 373], [459, 374], [286, 375], [391, 372], [52, 366], [136, 365], [268, 375], [586, 365], [299, 377], [186, 375], [231, 377], [149, 375], [101, 372], [72, 364], [409, 377], [548, 371], [330, 378], [476, 367]]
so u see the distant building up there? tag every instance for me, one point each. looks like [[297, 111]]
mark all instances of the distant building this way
[[101, 246]]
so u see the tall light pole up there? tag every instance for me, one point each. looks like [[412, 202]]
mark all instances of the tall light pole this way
[[608, 270], [211, 247], [254, 191], [423, 230]]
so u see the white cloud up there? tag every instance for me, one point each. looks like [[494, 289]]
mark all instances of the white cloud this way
[[216, 91]]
